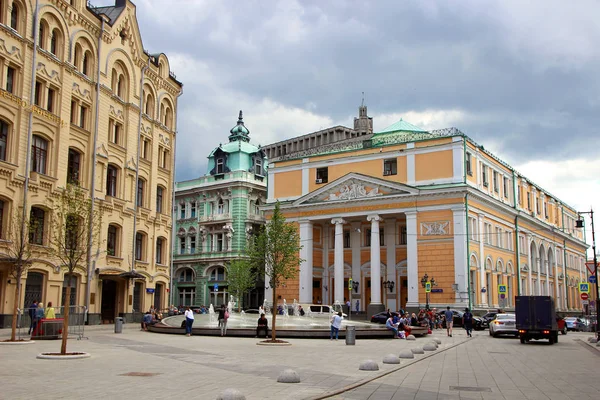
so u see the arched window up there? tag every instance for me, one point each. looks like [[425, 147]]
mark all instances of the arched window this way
[[160, 243], [37, 218], [120, 84], [55, 42], [39, 154], [14, 16], [220, 207], [168, 118], [112, 174], [217, 274], [34, 287], [43, 31], [112, 240], [186, 275], [85, 64], [3, 140], [150, 105], [74, 167], [78, 55], [140, 246]]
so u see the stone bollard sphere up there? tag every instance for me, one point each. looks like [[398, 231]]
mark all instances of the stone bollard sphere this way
[[429, 347], [411, 337], [231, 394], [406, 354], [437, 340], [288, 376], [391, 359], [369, 365], [418, 350]]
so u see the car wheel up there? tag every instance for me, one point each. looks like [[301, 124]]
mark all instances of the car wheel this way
[[491, 332], [564, 331]]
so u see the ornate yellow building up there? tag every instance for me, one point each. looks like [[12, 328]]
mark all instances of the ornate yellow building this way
[[404, 206], [100, 112]]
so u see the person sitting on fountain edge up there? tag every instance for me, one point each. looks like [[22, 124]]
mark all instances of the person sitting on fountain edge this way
[[263, 325]]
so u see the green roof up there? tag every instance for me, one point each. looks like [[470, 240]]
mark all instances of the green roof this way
[[401, 126], [233, 147]]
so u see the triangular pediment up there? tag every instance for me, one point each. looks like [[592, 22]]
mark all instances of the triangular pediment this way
[[355, 186]]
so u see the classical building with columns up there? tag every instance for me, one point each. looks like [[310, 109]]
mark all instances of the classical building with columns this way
[[401, 207], [215, 214]]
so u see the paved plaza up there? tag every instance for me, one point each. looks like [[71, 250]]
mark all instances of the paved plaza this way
[[137, 364]]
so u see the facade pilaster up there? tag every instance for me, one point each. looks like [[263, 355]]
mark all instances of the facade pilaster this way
[[306, 265], [338, 290], [482, 273], [390, 245], [461, 270], [355, 246], [412, 269], [530, 272], [375, 260]]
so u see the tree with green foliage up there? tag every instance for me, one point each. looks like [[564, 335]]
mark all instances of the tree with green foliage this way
[[73, 217], [18, 258], [276, 252], [241, 277]]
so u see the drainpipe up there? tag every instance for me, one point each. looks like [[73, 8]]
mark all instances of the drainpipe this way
[[173, 214], [90, 270], [565, 283], [30, 126], [517, 252]]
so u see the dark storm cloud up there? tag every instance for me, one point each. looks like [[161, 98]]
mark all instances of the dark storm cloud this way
[[522, 73]]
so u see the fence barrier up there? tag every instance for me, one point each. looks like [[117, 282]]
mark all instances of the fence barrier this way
[[52, 328]]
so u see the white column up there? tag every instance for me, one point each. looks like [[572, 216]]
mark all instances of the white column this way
[[325, 263], [556, 280], [412, 269], [482, 277], [530, 272], [306, 266], [338, 291], [565, 284], [547, 266], [461, 269], [390, 245], [538, 260], [375, 260], [355, 245]]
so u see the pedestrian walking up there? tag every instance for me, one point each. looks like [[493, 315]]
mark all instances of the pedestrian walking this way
[[449, 315], [32, 314], [468, 322], [189, 321], [223, 317], [336, 324]]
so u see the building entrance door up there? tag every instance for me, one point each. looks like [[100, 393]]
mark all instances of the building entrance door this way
[[109, 299]]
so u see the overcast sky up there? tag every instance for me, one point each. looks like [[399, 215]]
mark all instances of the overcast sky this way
[[519, 77]]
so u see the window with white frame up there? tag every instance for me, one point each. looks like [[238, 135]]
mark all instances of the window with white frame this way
[[499, 237]]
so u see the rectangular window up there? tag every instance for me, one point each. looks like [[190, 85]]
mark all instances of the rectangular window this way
[[39, 154], [182, 211], [73, 165], [83, 116], [73, 112], [111, 181], [545, 210], [193, 210], [495, 178], [469, 170], [10, 79], [322, 175], [140, 193], [36, 226], [529, 201], [50, 100], [3, 139], [115, 132], [159, 248], [390, 167], [346, 239], [159, 199], [182, 245], [1, 218], [219, 242], [220, 165], [484, 176], [403, 235], [139, 243], [145, 149], [192, 244], [505, 188], [37, 100], [499, 238], [111, 241], [537, 205], [258, 166]]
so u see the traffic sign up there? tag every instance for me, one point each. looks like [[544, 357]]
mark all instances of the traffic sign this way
[[592, 279], [584, 296], [216, 287], [590, 267], [502, 295], [584, 288], [585, 302], [502, 289], [428, 287]]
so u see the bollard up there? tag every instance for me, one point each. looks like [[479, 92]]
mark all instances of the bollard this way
[[350, 335]]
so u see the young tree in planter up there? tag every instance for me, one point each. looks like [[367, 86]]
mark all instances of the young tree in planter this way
[[69, 242], [276, 251], [18, 258], [241, 277]]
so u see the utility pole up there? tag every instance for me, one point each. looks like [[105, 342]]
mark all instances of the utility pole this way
[[579, 224]]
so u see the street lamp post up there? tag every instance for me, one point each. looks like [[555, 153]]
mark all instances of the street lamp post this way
[[579, 224], [427, 284]]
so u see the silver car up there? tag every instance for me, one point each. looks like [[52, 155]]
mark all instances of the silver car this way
[[504, 324]]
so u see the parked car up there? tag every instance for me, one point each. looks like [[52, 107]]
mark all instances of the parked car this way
[[575, 324], [488, 317], [504, 324], [321, 310], [251, 311], [477, 321], [379, 318]]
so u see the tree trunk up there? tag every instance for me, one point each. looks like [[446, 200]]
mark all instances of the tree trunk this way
[[13, 327], [274, 310], [65, 329]]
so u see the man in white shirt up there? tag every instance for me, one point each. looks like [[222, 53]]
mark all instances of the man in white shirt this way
[[336, 324], [189, 320]]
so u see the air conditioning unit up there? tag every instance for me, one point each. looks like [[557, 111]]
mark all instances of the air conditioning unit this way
[[319, 181]]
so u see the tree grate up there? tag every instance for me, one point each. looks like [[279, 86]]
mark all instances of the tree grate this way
[[140, 374], [471, 388]]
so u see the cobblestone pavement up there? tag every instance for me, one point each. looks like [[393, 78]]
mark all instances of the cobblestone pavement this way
[[203, 367]]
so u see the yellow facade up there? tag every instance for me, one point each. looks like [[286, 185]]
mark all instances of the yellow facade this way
[[92, 78], [446, 209]]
